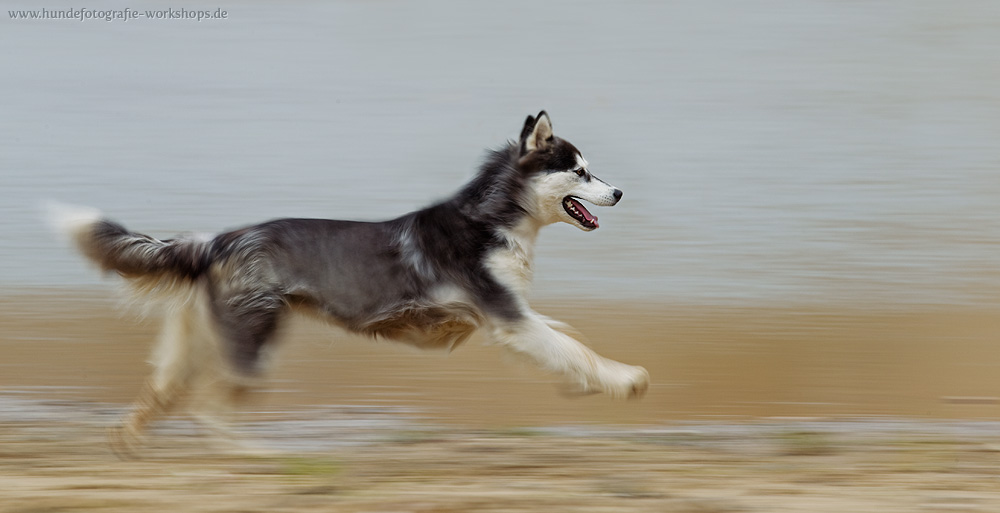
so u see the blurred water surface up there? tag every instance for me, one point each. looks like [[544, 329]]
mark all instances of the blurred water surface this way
[[769, 151]]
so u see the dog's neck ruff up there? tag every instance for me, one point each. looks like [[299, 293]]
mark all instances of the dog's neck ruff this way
[[494, 197], [513, 262], [522, 236]]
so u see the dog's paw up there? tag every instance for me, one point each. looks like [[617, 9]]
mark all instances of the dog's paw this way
[[124, 442], [627, 382], [640, 383]]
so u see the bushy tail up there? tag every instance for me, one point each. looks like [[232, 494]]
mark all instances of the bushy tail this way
[[132, 255]]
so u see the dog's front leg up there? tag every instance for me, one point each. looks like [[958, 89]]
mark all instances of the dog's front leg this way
[[532, 336]]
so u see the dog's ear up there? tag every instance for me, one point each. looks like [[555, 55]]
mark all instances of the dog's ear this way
[[537, 133]]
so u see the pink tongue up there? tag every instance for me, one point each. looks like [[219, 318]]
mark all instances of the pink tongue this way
[[583, 210]]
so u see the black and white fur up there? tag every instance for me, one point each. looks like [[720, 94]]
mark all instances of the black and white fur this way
[[429, 278]]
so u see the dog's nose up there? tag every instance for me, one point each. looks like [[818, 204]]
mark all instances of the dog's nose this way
[[618, 195]]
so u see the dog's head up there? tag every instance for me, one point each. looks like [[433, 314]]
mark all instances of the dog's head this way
[[559, 177]]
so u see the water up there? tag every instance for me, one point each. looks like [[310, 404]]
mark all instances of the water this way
[[769, 151]]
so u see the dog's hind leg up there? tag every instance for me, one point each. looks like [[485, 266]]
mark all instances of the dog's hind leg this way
[[248, 322], [218, 402], [181, 355], [533, 336]]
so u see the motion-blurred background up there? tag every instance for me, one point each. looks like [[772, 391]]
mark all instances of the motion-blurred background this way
[[810, 223]]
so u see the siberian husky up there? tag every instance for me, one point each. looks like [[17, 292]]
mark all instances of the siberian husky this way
[[429, 278]]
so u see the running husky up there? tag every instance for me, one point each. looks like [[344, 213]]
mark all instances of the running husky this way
[[429, 278]]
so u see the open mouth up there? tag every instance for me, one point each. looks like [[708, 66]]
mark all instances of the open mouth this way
[[583, 216]]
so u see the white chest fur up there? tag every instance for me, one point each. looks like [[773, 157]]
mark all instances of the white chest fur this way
[[513, 263]]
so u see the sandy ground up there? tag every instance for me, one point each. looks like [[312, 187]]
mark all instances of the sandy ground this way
[[55, 460], [781, 409]]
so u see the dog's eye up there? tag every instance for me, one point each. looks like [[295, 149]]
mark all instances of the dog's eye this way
[[578, 171]]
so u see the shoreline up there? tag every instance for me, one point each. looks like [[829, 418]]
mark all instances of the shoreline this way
[[706, 362]]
